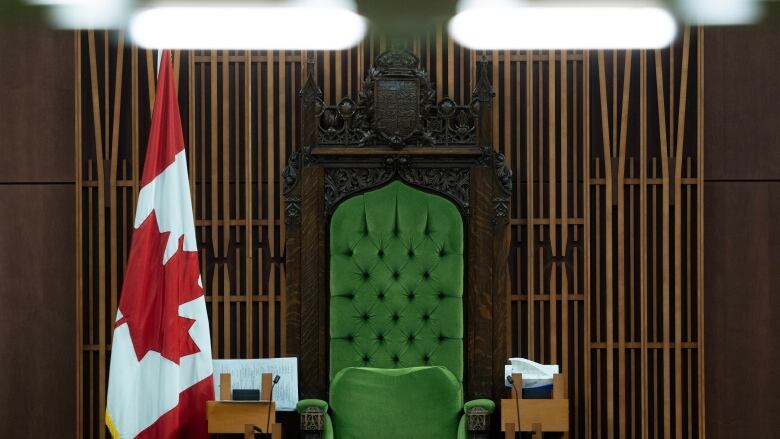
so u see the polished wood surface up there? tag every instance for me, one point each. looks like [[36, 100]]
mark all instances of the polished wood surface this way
[[606, 251], [536, 415], [233, 416], [37, 233], [228, 416], [225, 387], [37, 104], [549, 414], [741, 240], [37, 364]]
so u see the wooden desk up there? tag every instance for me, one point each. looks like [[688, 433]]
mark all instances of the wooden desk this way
[[242, 417], [536, 415]]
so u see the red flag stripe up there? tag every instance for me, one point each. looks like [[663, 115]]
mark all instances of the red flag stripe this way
[[188, 418], [166, 141]]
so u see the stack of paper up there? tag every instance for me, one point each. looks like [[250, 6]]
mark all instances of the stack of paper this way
[[534, 374]]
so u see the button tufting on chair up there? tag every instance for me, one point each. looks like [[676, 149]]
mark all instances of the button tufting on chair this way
[[398, 251]]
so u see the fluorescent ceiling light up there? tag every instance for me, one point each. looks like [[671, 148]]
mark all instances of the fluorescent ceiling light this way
[[88, 14], [522, 25], [57, 2], [311, 25], [707, 12]]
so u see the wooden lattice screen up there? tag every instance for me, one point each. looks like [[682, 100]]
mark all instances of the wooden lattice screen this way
[[606, 263]]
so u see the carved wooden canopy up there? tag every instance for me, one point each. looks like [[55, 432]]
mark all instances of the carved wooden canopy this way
[[397, 129]]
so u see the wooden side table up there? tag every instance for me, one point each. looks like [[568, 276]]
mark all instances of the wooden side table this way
[[536, 415], [243, 417]]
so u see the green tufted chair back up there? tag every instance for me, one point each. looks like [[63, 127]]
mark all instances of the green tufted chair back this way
[[396, 281]]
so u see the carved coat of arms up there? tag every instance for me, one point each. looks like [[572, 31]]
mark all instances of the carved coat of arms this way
[[397, 107]]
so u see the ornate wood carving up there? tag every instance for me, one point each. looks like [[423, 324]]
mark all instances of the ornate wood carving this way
[[396, 130], [313, 418], [397, 107], [292, 199], [340, 183], [477, 419], [504, 189]]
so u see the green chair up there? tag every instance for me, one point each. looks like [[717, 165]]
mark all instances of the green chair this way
[[396, 322]]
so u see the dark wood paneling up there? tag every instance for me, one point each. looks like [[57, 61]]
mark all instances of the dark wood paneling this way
[[478, 294], [604, 219], [36, 104], [742, 107], [742, 93], [314, 300], [742, 247], [37, 364]]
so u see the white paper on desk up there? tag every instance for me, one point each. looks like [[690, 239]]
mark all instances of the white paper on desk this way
[[245, 374], [534, 374]]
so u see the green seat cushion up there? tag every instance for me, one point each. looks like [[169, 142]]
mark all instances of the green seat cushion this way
[[417, 402], [396, 281]]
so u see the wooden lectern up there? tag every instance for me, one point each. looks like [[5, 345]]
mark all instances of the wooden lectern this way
[[536, 415], [247, 417]]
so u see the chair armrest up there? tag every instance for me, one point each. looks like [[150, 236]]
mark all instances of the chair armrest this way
[[307, 403], [315, 422], [486, 404], [477, 415]]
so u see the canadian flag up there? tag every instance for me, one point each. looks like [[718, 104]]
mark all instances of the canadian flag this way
[[161, 374]]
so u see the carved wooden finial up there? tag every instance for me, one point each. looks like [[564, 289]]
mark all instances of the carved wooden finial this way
[[483, 91], [310, 91]]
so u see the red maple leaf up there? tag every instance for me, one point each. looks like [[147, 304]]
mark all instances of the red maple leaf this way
[[152, 293]]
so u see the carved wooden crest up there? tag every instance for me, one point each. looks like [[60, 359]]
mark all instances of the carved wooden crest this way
[[396, 108]]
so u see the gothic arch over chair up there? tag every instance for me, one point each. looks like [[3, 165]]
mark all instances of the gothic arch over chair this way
[[397, 130]]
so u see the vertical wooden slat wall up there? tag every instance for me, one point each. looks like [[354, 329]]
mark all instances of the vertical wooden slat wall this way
[[606, 258]]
